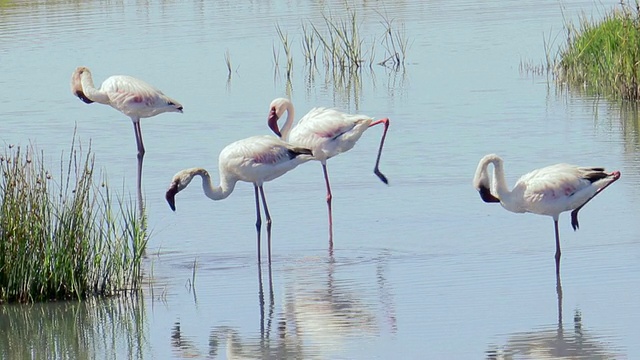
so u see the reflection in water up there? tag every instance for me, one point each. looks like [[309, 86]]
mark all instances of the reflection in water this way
[[554, 343], [318, 318], [323, 315], [91, 329]]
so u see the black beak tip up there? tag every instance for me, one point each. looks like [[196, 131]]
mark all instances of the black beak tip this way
[[170, 196]]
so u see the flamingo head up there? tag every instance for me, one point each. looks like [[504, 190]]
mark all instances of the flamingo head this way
[[277, 108], [76, 83], [178, 183], [272, 121], [486, 195]]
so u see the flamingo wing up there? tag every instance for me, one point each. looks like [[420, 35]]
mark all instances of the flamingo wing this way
[[261, 158], [329, 132], [561, 187], [136, 98]]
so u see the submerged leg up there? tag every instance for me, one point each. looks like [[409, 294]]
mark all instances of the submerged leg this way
[[258, 219], [376, 171], [329, 197], [266, 213], [574, 213], [558, 253]]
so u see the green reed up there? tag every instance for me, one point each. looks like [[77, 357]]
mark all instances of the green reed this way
[[64, 236], [604, 55]]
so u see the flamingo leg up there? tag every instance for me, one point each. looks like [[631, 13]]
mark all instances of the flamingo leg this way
[[574, 213], [558, 253], [138, 133], [266, 213], [376, 171], [258, 218], [329, 197]]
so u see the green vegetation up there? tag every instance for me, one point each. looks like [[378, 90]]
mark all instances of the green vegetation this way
[[603, 56], [62, 238], [338, 44]]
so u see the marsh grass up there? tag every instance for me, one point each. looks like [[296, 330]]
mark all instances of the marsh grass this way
[[338, 45], [603, 56], [64, 236]]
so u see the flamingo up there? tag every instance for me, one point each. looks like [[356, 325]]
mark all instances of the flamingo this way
[[256, 159], [327, 132], [546, 191], [132, 97]]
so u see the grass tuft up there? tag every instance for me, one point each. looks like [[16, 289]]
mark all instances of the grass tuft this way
[[64, 238], [604, 56]]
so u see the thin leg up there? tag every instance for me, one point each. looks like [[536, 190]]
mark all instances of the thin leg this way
[[559, 293], [376, 171], [138, 133], [558, 253], [258, 219], [574, 213], [266, 213], [329, 197]]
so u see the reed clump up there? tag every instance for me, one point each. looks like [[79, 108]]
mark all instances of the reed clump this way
[[604, 56], [63, 237]]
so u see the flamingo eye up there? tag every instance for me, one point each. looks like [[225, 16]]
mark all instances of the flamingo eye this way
[[170, 103]]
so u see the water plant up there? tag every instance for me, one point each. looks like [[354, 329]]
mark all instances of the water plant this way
[[603, 56], [63, 236]]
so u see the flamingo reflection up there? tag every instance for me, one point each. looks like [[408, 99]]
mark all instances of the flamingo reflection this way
[[555, 343]]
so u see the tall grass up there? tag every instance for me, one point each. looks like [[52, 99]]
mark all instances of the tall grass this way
[[64, 237], [338, 44], [604, 56]]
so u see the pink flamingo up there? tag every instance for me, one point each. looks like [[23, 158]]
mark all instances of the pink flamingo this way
[[132, 97], [547, 191], [327, 132], [256, 159]]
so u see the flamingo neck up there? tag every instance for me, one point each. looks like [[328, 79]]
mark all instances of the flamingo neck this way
[[216, 192], [90, 91], [499, 183], [496, 186], [286, 128]]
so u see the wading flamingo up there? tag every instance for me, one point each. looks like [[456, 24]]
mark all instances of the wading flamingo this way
[[547, 191], [327, 132], [256, 159], [132, 97]]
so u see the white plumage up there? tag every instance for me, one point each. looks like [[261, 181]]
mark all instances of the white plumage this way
[[327, 132], [546, 191], [256, 159]]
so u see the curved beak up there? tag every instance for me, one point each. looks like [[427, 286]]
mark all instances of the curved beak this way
[[486, 195], [272, 121], [170, 195]]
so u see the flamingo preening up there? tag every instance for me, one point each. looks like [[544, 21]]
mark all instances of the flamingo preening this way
[[546, 191], [132, 97], [327, 132], [256, 159]]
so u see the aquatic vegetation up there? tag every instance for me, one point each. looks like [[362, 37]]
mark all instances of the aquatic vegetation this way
[[338, 44], [64, 236], [603, 56]]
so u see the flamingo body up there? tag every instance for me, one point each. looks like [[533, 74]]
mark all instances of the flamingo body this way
[[256, 159], [327, 132], [549, 191], [131, 96]]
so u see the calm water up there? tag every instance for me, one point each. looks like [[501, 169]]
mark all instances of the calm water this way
[[421, 268]]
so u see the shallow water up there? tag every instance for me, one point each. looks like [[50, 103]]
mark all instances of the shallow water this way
[[421, 268]]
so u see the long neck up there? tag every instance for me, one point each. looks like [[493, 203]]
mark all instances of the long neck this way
[[216, 192], [499, 183], [90, 91], [286, 128]]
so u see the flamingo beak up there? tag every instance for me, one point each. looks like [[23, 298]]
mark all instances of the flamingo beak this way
[[272, 121], [486, 195], [170, 195]]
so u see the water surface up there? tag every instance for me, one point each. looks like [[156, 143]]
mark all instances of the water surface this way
[[421, 268]]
